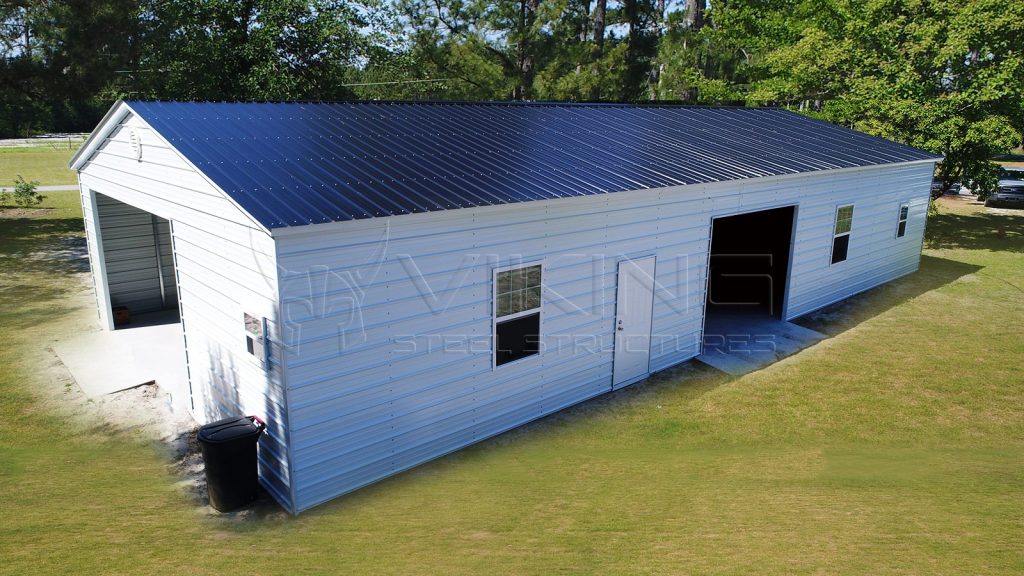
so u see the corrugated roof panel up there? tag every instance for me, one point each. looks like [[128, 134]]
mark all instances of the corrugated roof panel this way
[[292, 164]]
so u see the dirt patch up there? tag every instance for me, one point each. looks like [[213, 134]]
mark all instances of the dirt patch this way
[[969, 200], [141, 414], [959, 200], [12, 213], [825, 320], [71, 251], [145, 413]]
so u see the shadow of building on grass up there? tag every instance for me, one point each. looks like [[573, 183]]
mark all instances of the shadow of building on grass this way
[[839, 317], [977, 231]]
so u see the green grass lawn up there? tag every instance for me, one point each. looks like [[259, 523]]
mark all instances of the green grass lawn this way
[[46, 164], [894, 447]]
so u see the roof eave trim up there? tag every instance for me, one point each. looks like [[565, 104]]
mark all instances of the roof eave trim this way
[[110, 121]]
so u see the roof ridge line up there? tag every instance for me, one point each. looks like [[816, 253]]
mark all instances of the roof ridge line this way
[[489, 103]]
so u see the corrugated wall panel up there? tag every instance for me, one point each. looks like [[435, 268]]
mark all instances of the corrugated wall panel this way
[[97, 263], [225, 267], [388, 322], [130, 238], [875, 254]]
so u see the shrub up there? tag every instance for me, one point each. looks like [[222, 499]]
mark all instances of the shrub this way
[[25, 194]]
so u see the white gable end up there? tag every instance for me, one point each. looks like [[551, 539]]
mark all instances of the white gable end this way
[[129, 160]]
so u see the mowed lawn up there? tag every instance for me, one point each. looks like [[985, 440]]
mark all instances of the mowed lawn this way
[[894, 447], [47, 165]]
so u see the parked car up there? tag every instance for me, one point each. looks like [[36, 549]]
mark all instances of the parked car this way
[[1010, 194], [939, 188], [1011, 173]]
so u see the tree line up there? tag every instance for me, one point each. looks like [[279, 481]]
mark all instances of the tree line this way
[[943, 75]]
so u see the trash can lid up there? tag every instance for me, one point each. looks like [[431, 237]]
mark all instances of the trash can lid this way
[[229, 429]]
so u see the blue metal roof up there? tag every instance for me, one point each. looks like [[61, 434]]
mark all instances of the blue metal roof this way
[[291, 164]]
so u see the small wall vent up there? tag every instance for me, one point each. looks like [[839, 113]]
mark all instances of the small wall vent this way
[[136, 143]]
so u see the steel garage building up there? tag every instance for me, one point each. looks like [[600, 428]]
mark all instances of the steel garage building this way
[[385, 283]]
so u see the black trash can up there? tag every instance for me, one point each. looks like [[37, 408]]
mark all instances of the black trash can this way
[[229, 455]]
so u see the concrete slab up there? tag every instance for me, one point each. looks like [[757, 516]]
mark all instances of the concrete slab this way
[[738, 342], [104, 362]]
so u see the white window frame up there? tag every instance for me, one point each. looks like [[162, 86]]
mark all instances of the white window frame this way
[[495, 320], [260, 356], [835, 223], [900, 219]]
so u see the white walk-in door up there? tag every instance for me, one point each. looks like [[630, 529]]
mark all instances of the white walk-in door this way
[[633, 307]]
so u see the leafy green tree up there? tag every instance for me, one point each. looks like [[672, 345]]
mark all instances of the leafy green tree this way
[[250, 50], [942, 75], [491, 50], [58, 58], [697, 63], [641, 19], [581, 64]]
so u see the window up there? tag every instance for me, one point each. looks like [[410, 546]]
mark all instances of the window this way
[[901, 228], [253, 334], [255, 338], [517, 300], [841, 237]]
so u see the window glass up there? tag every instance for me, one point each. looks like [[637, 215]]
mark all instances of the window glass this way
[[518, 290], [901, 227], [840, 246], [841, 238], [844, 219], [517, 338], [517, 302]]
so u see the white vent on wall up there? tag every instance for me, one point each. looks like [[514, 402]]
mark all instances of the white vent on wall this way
[[136, 143]]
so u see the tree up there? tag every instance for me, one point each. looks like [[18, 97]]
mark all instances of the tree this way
[[600, 15], [938, 74], [941, 75], [642, 21], [58, 60], [25, 194], [702, 63], [494, 48], [249, 50], [577, 67]]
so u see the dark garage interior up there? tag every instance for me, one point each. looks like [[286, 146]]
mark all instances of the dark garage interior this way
[[139, 264], [749, 263]]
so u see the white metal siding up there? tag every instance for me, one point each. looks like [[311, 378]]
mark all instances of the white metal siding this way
[[373, 389], [225, 267], [875, 256], [388, 321], [97, 263]]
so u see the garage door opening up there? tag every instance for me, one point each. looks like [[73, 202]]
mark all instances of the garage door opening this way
[[749, 263], [139, 262], [133, 267], [748, 276]]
